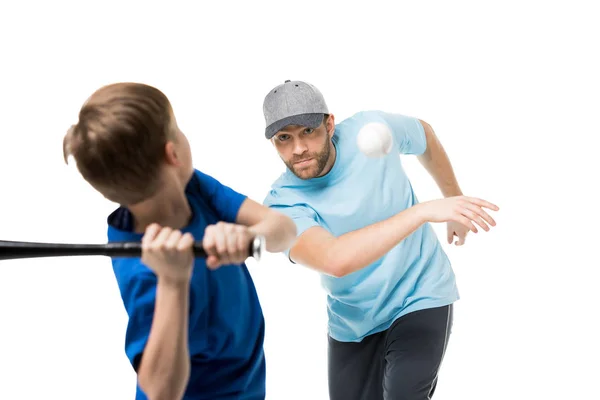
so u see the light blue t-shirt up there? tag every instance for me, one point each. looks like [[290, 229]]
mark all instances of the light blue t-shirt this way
[[357, 192]]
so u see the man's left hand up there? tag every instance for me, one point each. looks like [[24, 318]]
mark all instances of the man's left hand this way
[[458, 230]]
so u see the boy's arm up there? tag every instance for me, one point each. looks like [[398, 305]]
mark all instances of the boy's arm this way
[[164, 367], [156, 340], [278, 229]]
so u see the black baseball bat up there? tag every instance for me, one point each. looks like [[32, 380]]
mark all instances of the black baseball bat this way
[[10, 250]]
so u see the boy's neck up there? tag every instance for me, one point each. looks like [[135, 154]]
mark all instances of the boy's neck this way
[[167, 209]]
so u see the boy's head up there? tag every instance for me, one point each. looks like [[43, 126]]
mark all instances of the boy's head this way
[[127, 145]]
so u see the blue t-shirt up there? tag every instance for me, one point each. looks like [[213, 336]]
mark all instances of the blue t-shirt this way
[[226, 325], [357, 192]]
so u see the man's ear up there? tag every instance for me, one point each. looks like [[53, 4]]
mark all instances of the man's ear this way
[[330, 124]]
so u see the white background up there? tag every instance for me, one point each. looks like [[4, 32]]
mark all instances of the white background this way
[[511, 88]]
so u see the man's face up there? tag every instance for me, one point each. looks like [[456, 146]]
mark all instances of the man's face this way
[[305, 151]]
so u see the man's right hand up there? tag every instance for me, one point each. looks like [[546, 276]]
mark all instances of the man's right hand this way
[[168, 253], [464, 210]]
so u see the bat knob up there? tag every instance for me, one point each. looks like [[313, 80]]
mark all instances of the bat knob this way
[[258, 247]]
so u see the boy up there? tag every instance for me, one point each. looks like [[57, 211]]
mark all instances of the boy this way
[[193, 332]]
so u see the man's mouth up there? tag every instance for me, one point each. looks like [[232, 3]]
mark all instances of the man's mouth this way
[[302, 162]]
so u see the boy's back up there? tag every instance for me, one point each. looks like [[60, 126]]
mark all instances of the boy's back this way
[[226, 325]]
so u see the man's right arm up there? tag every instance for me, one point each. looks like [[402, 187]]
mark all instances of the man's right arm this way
[[318, 249], [339, 256]]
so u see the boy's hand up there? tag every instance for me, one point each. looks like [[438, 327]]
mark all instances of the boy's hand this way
[[168, 253], [226, 243]]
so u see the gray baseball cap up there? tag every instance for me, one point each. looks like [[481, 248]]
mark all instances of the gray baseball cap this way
[[293, 103]]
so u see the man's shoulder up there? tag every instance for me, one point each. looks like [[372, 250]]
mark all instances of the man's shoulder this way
[[285, 191], [361, 116], [371, 115], [277, 192]]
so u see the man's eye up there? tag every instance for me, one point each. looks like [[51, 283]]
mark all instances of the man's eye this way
[[308, 131], [283, 137]]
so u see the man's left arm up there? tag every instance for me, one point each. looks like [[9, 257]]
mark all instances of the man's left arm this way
[[435, 160], [437, 163], [417, 137]]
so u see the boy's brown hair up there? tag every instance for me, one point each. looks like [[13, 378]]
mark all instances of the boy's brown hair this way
[[119, 141]]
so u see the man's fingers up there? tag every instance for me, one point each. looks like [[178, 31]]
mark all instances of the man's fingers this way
[[461, 219], [475, 218], [483, 203], [450, 235], [479, 211]]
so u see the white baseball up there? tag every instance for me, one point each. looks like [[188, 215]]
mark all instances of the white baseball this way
[[375, 139]]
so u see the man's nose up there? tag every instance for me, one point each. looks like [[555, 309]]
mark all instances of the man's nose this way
[[300, 147]]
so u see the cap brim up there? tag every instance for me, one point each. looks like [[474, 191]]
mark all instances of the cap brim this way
[[308, 120]]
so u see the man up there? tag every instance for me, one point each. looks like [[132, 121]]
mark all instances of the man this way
[[193, 332], [390, 285]]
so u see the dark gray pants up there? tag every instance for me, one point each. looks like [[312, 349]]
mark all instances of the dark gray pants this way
[[400, 363]]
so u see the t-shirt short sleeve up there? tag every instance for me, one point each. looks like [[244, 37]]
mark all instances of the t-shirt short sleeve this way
[[138, 291], [408, 132], [303, 215], [222, 198], [137, 285]]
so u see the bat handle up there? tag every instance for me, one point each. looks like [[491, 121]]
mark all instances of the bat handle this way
[[256, 249]]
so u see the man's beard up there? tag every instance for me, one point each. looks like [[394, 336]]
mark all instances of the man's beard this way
[[321, 157]]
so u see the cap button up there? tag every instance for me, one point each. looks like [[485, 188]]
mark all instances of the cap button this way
[[287, 81]]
